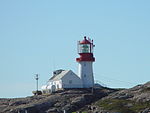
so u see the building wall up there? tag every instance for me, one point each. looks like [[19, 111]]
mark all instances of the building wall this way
[[52, 86], [86, 73], [71, 80], [58, 84]]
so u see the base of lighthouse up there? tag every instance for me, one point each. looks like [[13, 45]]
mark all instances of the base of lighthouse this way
[[86, 73]]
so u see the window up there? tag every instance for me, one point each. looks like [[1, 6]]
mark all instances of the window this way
[[84, 75], [57, 86], [85, 48], [70, 81]]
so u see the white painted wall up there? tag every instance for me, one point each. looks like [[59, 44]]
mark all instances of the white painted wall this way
[[58, 84], [85, 72], [71, 80], [50, 86]]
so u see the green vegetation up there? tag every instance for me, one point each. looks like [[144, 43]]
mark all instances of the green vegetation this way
[[122, 106]]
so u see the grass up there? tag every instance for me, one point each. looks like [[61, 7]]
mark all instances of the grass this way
[[122, 106]]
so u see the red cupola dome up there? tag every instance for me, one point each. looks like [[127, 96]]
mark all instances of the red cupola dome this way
[[85, 41]]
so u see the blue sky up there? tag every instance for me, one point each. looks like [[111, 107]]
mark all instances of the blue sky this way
[[39, 36]]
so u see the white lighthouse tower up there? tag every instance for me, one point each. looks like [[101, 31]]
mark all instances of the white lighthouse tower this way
[[86, 59]]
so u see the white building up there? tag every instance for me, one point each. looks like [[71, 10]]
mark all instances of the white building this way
[[62, 79]]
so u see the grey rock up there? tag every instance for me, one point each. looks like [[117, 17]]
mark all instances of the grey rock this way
[[76, 100]]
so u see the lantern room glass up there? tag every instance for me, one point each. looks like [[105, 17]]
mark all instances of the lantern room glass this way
[[84, 48]]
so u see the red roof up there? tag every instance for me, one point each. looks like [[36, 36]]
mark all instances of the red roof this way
[[85, 41]]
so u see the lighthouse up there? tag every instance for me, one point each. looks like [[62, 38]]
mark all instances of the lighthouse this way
[[66, 79], [86, 59]]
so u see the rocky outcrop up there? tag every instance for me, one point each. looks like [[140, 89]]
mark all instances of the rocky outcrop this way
[[104, 100], [139, 93], [133, 100], [68, 100]]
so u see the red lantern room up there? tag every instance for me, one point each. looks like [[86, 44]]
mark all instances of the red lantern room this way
[[85, 50]]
